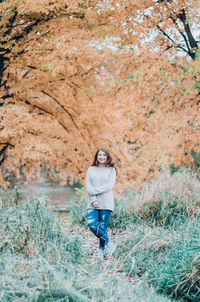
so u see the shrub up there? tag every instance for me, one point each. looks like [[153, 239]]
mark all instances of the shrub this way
[[196, 157]]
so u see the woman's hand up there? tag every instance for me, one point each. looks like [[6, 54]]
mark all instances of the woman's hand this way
[[90, 194], [96, 205]]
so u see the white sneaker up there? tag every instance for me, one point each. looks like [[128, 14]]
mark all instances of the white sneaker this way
[[100, 254], [110, 249]]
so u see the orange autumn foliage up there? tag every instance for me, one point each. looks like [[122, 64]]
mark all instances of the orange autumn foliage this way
[[74, 79]]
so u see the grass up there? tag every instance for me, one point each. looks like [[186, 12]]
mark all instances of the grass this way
[[165, 201], [48, 258], [37, 253], [168, 258], [42, 260]]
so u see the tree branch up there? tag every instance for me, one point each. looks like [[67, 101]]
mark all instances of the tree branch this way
[[69, 114], [3, 150], [192, 41], [166, 35], [182, 34], [48, 112]]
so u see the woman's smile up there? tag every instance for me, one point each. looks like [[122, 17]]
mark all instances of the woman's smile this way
[[102, 157]]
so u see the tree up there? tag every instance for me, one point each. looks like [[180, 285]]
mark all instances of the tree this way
[[154, 24], [76, 77]]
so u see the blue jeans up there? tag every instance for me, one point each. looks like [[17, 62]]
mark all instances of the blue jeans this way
[[98, 223]]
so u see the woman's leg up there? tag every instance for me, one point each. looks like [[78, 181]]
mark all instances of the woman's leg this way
[[104, 216], [93, 219]]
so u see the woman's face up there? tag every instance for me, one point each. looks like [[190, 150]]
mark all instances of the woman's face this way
[[102, 157]]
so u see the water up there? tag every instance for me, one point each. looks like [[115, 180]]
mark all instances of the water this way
[[56, 196]]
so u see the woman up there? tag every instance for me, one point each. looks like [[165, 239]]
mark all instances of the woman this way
[[100, 180]]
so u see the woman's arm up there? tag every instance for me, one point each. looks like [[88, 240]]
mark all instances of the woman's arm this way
[[94, 201], [88, 181], [107, 186]]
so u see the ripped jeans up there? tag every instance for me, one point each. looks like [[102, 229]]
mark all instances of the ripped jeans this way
[[98, 223]]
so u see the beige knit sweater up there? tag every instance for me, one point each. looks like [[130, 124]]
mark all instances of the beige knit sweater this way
[[100, 182]]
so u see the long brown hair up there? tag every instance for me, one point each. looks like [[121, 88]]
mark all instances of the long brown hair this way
[[109, 162]]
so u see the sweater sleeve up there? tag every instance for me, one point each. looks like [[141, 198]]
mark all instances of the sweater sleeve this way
[[105, 187], [88, 181], [89, 187]]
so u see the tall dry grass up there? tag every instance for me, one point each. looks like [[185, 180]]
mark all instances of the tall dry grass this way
[[165, 199], [44, 260], [157, 229]]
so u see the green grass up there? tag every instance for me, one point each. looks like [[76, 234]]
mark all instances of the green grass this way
[[157, 231], [167, 258], [37, 253], [44, 257], [42, 260], [166, 201]]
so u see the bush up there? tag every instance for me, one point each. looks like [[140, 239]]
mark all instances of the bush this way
[[196, 157]]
